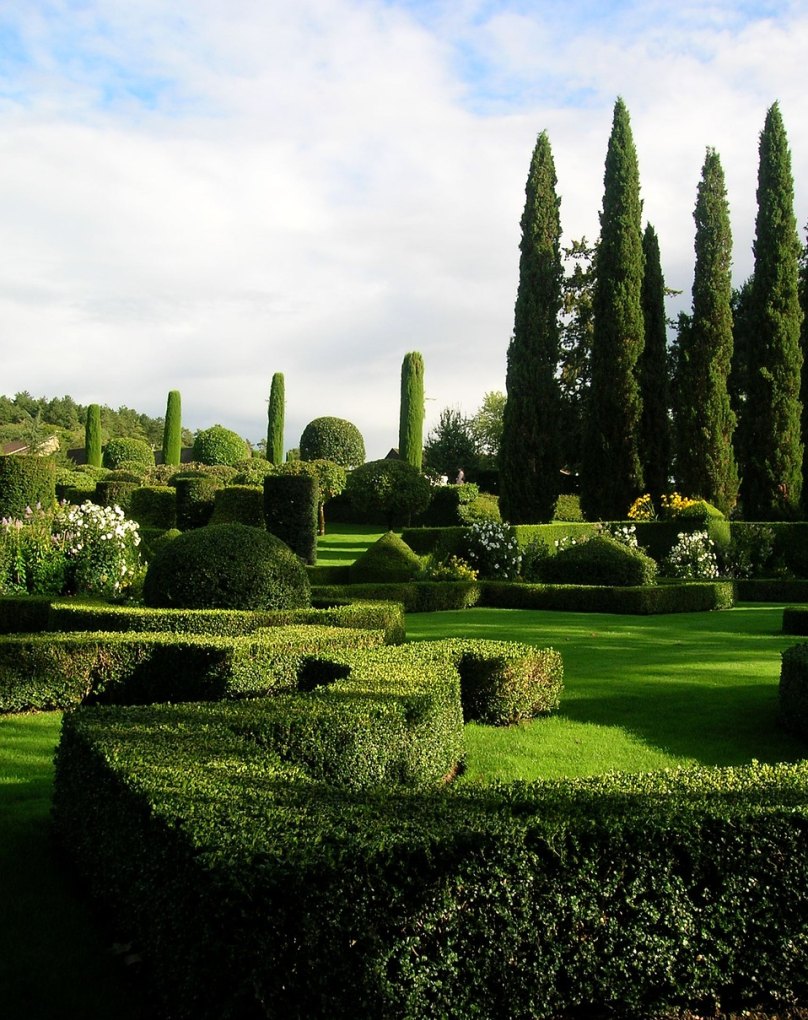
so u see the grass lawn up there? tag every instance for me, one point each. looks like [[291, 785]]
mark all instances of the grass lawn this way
[[342, 545]]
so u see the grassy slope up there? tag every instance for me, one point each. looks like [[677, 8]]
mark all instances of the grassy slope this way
[[345, 543]]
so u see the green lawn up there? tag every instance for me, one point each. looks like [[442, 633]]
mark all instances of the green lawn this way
[[342, 545]]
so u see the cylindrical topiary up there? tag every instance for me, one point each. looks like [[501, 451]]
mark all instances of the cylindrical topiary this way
[[411, 410], [195, 500], [172, 429], [92, 436], [24, 482], [154, 506], [242, 504], [290, 512], [226, 566], [115, 492], [218, 445], [128, 451], [333, 439], [275, 417]]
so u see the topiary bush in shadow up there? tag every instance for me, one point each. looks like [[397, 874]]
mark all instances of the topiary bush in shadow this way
[[600, 560]]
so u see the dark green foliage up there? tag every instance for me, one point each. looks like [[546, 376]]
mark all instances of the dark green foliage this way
[[530, 453], [243, 504], [195, 500], [411, 411], [92, 436], [795, 621], [414, 596], [575, 364], [134, 451], [388, 560], [705, 420], [600, 560], [276, 413], [223, 473], [24, 482], [690, 597], [772, 443], [451, 446], [793, 690], [290, 511], [115, 492], [24, 614], [153, 539], [154, 506], [172, 429], [803, 293], [611, 468], [218, 445], [568, 508], [391, 490], [252, 472], [445, 505], [333, 439], [226, 566], [652, 369], [329, 476]]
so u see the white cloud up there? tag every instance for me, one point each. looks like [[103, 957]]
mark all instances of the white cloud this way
[[197, 195]]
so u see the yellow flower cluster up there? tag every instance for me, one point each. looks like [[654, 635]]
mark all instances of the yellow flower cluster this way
[[642, 509], [674, 503]]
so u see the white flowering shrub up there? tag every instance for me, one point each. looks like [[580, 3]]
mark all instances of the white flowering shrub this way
[[693, 558], [492, 549], [101, 548], [626, 534]]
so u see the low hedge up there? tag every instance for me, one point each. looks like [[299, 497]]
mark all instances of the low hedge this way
[[59, 671], [258, 889], [115, 492], [415, 596], [771, 590], [793, 691], [24, 613], [328, 574], [795, 620]]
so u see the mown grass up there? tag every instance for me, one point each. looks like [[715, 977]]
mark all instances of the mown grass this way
[[344, 543]]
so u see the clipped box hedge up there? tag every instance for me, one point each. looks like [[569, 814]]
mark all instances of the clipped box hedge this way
[[684, 597], [793, 690], [415, 596], [795, 620], [771, 590], [254, 888]]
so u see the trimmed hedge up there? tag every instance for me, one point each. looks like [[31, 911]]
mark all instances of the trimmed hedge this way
[[793, 690], [218, 445], [795, 620], [115, 492], [771, 590], [24, 614], [290, 512], [444, 506], [154, 506], [239, 504], [24, 482], [600, 560], [195, 499], [263, 890], [415, 596]]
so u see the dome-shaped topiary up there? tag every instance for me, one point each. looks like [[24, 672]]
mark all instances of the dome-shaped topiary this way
[[392, 490], [218, 445], [122, 451], [599, 560], [226, 566], [333, 439], [388, 560]]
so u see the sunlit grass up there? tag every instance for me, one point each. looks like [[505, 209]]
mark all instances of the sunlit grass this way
[[342, 545]]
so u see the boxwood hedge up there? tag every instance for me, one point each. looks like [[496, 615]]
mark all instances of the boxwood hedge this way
[[793, 690]]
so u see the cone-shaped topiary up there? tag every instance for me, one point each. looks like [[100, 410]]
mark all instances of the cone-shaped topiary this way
[[172, 430], [389, 559], [226, 566]]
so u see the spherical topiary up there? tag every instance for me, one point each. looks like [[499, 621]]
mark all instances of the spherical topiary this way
[[333, 439], [128, 451], [226, 566], [599, 560], [218, 445]]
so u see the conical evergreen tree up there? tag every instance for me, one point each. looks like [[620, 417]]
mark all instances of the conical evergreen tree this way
[[92, 435], [772, 474], [172, 429], [804, 372], [530, 453], [275, 419], [611, 467], [655, 445], [706, 458], [411, 410]]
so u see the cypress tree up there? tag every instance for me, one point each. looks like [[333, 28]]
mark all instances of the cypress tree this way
[[706, 459], [92, 436], [611, 467], [530, 453], [772, 474], [275, 419], [411, 410], [172, 430], [804, 372], [653, 373]]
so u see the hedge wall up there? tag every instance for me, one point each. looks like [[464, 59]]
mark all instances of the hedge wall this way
[[795, 620], [24, 482]]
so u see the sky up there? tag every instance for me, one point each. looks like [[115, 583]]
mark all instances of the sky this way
[[196, 194]]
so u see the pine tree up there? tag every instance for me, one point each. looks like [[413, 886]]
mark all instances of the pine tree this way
[[772, 473], [530, 454], [653, 373], [172, 430], [275, 419], [611, 468], [706, 458], [92, 435], [411, 410]]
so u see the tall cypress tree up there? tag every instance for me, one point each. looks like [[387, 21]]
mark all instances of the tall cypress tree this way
[[653, 373], [804, 372], [611, 467], [706, 459], [411, 410], [92, 436], [275, 419], [772, 474], [530, 453], [172, 429]]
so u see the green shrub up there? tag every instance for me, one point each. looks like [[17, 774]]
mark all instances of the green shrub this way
[[112, 492], [218, 445], [415, 596], [226, 566], [691, 597], [154, 506], [172, 429], [492, 549], [600, 560], [223, 473], [484, 508], [795, 620], [132, 451], [290, 512], [195, 500], [153, 539], [389, 490], [441, 542], [24, 483], [243, 504], [92, 436], [445, 503], [24, 614], [333, 439], [793, 690], [568, 508], [764, 590], [388, 560], [252, 472]]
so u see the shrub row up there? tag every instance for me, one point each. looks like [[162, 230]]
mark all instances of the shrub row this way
[[415, 596], [793, 691], [771, 590], [263, 891]]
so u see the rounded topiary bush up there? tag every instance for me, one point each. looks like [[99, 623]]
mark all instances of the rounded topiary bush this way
[[599, 560], [122, 451], [218, 445], [333, 439], [24, 482], [226, 566], [388, 560], [389, 490]]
